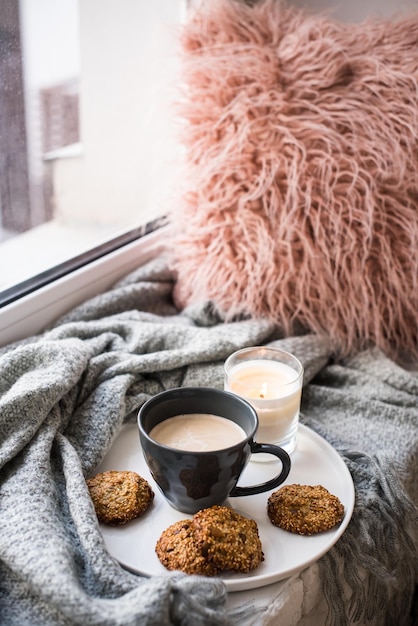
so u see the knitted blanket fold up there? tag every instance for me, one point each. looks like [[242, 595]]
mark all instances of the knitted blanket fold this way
[[66, 393]]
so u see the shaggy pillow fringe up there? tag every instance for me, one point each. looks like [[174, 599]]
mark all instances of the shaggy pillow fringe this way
[[300, 194]]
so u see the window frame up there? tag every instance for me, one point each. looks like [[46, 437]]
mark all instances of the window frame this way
[[77, 280]]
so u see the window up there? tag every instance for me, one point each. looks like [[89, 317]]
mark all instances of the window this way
[[88, 151], [87, 145]]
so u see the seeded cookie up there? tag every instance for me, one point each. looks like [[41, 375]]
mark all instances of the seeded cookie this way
[[227, 539], [177, 550], [119, 496], [304, 509]]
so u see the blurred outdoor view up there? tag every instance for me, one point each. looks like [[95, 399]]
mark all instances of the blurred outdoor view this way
[[87, 135], [87, 144]]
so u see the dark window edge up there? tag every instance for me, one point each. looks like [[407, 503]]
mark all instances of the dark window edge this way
[[25, 287]]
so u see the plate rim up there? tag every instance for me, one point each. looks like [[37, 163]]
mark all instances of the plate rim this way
[[235, 582]]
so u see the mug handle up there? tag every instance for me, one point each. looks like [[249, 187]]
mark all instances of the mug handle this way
[[273, 482]]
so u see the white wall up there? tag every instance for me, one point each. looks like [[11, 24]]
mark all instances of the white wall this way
[[127, 71], [51, 45]]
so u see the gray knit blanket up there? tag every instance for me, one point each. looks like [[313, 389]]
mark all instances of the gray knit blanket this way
[[66, 393]]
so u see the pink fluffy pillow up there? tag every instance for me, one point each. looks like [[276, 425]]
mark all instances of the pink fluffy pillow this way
[[300, 194]]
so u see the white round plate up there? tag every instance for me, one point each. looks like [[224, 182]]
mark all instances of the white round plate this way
[[314, 462]]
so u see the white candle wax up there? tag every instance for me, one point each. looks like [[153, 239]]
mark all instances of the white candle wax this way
[[274, 389]]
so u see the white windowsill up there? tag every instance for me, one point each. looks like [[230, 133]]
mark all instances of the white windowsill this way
[[68, 152], [45, 246], [34, 312]]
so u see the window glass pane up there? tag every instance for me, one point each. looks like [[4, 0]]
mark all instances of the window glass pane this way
[[87, 144]]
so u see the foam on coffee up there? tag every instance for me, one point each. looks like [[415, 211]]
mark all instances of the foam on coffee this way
[[198, 432]]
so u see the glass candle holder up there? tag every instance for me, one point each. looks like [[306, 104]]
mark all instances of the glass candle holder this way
[[270, 379]]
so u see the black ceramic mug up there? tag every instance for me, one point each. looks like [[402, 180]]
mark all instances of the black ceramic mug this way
[[193, 480]]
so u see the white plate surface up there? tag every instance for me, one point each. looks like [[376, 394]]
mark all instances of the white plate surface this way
[[314, 462]]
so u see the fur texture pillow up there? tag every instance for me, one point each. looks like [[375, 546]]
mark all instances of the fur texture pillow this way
[[300, 195]]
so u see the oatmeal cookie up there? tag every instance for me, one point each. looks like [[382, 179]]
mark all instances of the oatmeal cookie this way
[[304, 509], [227, 539], [177, 550], [119, 496]]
